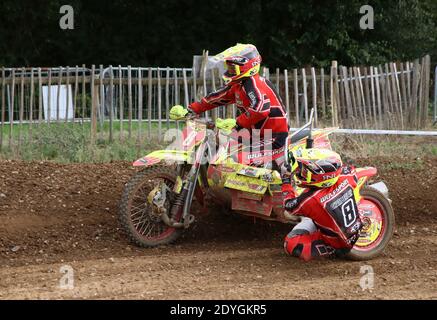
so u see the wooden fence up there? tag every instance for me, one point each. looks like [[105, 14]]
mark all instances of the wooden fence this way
[[390, 96]]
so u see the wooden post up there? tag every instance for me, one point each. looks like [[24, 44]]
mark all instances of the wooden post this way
[[194, 96], [176, 86], [159, 106], [11, 110], [49, 98], [21, 110], [40, 103], [334, 93], [388, 87], [140, 107], [58, 94], [305, 97], [373, 96], [121, 100], [426, 88], [111, 104], [314, 95], [361, 94], [347, 90], [129, 93], [68, 93], [322, 91], [32, 92], [352, 92], [3, 112], [277, 80], [203, 69], [167, 97], [287, 97], [76, 90], [366, 85], [101, 100], [409, 72], [296, 96], [93, 105], [149, 104], [84, 94], [413, 107], [397, 89], [404, 98], [378, 97], [187, 99]]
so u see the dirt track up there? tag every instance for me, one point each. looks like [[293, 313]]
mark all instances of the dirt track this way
[[53, 215]]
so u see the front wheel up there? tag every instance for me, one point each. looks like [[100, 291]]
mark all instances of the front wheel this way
[[378, 219], [140, 217]]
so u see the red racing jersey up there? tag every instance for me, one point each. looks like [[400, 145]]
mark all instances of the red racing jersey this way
[[257, 99], [333, 209]]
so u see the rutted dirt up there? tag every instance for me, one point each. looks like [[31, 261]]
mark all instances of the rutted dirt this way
[[53, 215]]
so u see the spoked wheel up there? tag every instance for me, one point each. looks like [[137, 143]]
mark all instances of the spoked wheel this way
[[378, 220], [144, 198]]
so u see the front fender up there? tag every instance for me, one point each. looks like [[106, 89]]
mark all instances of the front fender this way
[[163, 155], [363, 175]]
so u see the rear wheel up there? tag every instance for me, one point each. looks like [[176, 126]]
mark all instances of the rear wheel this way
[[378, 218], [140, 217]]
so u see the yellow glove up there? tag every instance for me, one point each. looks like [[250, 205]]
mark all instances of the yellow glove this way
[[178, 113], [226, 125]]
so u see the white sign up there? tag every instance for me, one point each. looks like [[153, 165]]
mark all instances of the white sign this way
[[54, 102]]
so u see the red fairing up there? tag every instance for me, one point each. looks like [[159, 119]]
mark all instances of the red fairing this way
[[367, 172], [256, 98]]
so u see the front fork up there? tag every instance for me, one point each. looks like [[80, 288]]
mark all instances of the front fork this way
[[185, 198]]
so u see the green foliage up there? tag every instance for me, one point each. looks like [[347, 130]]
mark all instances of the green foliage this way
[[288, 33]]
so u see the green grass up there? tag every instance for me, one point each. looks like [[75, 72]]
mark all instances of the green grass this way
[[68, 143], [365, 146]]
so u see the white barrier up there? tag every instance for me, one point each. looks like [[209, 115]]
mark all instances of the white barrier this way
[[383, 132]]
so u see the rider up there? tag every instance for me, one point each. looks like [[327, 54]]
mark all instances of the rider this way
[[331, 222], [262, 112]]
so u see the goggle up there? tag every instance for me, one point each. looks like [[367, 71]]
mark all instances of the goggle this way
[[232, 69]]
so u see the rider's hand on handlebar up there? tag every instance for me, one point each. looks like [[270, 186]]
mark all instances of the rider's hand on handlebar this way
[[226, 125], [178, 112]]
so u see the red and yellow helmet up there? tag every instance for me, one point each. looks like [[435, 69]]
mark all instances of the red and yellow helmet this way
[[318, 168], [241, 61]]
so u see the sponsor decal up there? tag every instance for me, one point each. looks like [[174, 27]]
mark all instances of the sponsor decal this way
[[334, 192], [329, 176], [248, 172], [256, 187], [223, 168], [252, 98]]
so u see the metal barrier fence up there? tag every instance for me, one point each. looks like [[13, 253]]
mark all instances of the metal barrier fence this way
[[393, 96]]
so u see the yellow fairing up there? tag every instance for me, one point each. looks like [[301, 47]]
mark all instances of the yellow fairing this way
[[246, 184], [360, 184], [166, 155], [247, 178]]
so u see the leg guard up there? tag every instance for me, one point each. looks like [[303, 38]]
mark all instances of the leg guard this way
[[306, 243]]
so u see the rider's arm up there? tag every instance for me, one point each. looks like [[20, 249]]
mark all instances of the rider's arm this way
[[221, 97], [259, 108], [294, 205]]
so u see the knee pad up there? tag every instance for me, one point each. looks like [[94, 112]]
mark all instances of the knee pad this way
[[298, 244], [306, 246]]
